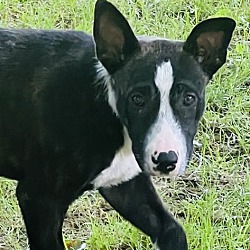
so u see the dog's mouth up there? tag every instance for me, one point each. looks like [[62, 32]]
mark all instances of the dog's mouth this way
[[170, 169], [166, 162], [164, 168]]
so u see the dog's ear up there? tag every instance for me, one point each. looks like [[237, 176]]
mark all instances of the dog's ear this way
[[115, 41], [208, 43]]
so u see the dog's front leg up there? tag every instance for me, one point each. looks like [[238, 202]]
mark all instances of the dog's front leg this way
[[138, 202], [43, 216]]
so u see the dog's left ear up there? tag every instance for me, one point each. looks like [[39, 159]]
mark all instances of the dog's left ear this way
[[208, 43], [115, 40]]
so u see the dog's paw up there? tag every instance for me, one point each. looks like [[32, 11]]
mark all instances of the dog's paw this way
[[74, 245]]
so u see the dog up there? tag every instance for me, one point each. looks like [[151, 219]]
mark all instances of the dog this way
[[105, 112]]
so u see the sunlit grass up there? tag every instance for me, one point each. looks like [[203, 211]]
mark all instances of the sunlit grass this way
[[212, 201]]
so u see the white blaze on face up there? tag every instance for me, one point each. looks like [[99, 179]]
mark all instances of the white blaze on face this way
[[123, 167], [165, 134]]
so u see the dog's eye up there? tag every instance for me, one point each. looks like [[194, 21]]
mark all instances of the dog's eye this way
[[138, 100], [189, 99]]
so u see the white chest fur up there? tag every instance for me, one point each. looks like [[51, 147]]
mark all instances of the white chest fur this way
[[123, 167]]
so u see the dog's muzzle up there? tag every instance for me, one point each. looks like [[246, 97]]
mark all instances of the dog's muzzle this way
[[165, 162]]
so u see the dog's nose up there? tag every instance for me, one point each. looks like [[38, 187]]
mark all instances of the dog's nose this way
[[166, 162], [169, 158]]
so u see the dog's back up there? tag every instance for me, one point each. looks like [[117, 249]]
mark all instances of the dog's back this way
[[76, 115], [48, 102], [42, 50]]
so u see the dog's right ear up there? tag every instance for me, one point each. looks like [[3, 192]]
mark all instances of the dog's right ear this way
[[115, 40], [208, 43]]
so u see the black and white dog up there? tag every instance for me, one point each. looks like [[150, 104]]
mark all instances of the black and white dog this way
[[79, 112]]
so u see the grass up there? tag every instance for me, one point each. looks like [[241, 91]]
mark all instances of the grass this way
[[212, 201]]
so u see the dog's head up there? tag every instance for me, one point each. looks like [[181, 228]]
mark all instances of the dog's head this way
[[157, 86]]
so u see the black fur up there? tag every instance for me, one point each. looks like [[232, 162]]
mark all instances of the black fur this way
[[58, 131]]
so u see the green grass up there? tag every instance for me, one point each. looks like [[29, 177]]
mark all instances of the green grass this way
[[213, 200]]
